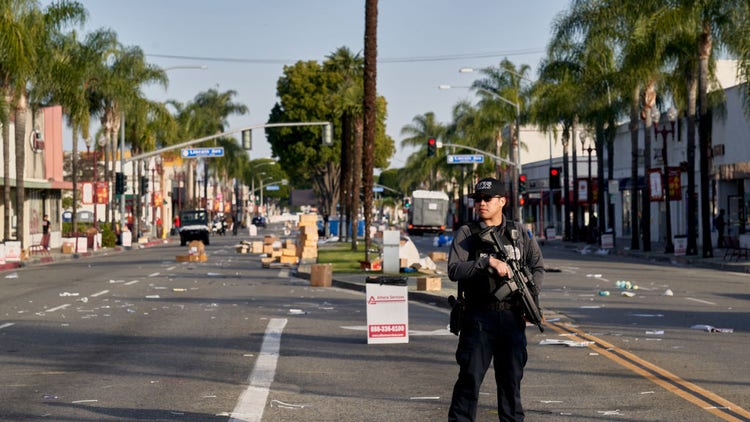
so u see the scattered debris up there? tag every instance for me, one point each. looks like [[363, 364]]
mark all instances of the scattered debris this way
[[622, 284], [655, 332], [668, 292], [282, 405], [297, 312], [569, 343], [610, 412], [63, 294], [603, 293], [627, 294], [12, 275], [712, 329]]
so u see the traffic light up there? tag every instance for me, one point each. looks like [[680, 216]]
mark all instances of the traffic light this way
[[328, 134], [144, 184], [119, 183], [522, 184], [407, 202], [554, 177], [247, 139], [431, 147]]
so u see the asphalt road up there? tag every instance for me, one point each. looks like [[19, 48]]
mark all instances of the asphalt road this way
[[138, 336]]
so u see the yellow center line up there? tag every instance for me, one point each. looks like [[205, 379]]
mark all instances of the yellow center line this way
[[660, 376]]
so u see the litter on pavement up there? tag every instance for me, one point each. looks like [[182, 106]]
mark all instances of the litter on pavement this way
[[569, 343], [712, 329]]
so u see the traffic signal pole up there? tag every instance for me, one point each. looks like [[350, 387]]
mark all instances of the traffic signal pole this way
[[515, 197]]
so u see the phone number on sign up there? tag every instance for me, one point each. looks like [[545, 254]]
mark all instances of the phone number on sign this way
[[387, 330]]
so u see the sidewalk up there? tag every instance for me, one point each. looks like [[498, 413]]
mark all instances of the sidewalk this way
[[56, 255]]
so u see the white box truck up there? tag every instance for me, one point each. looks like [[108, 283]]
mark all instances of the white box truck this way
[[428, 212]]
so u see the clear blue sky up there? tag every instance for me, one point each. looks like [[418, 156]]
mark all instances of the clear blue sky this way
[[246, 43]]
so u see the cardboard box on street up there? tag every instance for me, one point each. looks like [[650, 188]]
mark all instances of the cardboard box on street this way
[[429, 283], [321, 275]]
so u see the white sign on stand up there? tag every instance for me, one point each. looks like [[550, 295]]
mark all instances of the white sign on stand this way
[[387, 310], [127, 239]]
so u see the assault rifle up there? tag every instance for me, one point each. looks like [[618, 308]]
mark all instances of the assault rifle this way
[[521, 280]]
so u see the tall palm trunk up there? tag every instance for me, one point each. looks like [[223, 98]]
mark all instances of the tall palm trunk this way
[[370, 109], [356, 177], [74, 170], [576, 227], [20, 135], [566, 182], [704, 129], [649, 103], [6, 173], [634, 220], [610, 134], [692, 203], [346, 176], [600, 200]]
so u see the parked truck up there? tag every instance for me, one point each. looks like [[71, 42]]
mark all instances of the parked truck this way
[[428, 212]]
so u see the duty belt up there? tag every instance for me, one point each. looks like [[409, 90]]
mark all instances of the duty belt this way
[[494, 305]]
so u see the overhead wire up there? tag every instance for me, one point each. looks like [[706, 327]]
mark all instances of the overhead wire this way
[[413, 59]]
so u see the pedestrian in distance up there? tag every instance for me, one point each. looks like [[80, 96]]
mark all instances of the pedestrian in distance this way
[[492, 326], [45, 231], [45, 224], [721, 225]]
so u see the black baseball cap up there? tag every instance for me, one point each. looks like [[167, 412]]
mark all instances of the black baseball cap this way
[[489, 187]]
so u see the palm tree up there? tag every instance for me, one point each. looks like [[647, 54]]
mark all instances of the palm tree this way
[[73, 59], [370, 110], [498, 87], [25, 33], [349, 99], [207, 115], [417, 133], [557, 101], [617, 25]]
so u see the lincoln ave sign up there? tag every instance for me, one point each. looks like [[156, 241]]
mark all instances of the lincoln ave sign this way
[[202, 152], [465, 158]]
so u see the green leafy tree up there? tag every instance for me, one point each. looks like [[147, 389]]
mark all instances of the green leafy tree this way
[[307, 93], [25, 36]]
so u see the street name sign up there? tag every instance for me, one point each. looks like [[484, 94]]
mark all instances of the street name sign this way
[[465, 158], [202, 152]]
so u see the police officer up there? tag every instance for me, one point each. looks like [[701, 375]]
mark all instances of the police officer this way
[[492, 328]]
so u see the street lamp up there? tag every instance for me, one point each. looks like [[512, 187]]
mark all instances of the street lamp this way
[[587, 139], [664, 131], [201, 67]]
